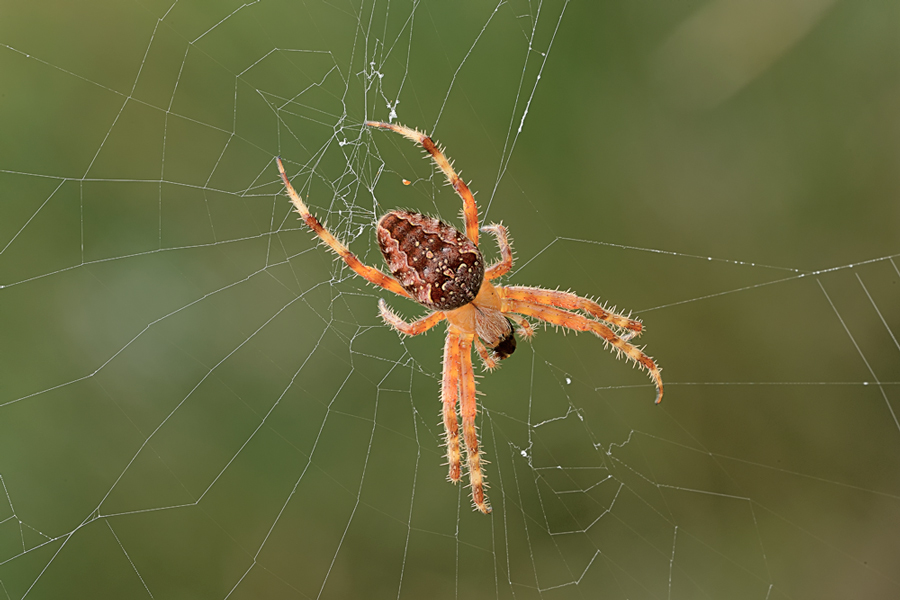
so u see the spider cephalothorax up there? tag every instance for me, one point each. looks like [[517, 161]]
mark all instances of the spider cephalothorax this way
[[442, 269]]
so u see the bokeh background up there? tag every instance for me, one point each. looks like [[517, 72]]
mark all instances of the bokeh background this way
[[197, 401]]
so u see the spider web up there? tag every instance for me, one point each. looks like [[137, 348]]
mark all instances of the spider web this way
[[196, 400]]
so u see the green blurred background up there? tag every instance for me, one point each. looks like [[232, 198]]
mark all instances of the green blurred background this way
[[197, 401]]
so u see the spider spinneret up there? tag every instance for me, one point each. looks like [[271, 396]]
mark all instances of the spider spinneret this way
[[442, 269]]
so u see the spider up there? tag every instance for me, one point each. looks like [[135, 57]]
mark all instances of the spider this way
[[442, 269]]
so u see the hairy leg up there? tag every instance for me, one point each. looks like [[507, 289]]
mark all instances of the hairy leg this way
[[470, 209], [506, 258], [449, 396], [525, 329], [485, 354], [370, 273], [409, 328], [569, 301], [468, 409], [556, 316]]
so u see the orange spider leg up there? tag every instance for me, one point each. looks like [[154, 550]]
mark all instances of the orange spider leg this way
[[485, 354], [506, 258], [468, 409], [470, 209], [525, 329], [556, 316], [570, 301], [449, 396], [406, 327], [371, 274]]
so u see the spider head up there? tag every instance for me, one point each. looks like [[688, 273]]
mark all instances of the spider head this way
[[507, 344]]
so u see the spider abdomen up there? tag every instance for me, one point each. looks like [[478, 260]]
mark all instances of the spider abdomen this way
[[436, 263]]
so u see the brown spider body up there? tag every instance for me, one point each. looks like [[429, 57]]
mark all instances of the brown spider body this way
[[436, 263], [443, 270]]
